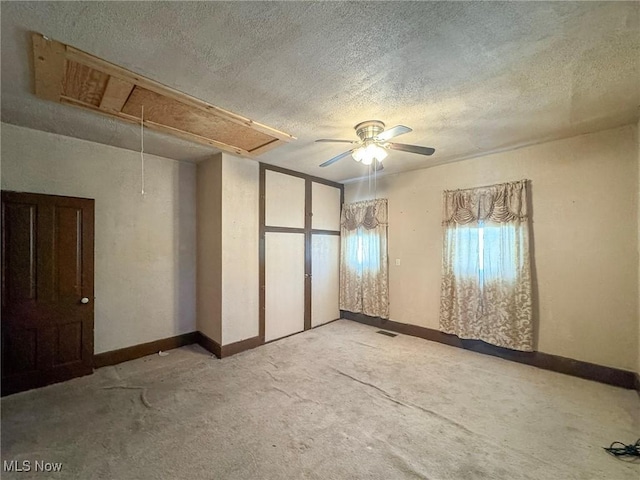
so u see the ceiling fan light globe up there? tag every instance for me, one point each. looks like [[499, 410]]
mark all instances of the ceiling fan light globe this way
[[368, 154], [371, 150], [375, 153], [381, 153], [357, 154]]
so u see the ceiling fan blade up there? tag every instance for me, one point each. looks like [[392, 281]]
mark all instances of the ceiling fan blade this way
[[411, 148], [335, 140], [393, 132], [336, 158]]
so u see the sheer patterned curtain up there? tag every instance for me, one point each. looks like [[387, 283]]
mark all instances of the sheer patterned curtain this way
[[364, 284], [486, 278]]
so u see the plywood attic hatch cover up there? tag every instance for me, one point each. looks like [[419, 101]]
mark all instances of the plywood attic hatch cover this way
[[67, 75]]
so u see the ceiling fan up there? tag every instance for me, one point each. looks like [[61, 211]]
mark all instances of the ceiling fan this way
[[372, 147]]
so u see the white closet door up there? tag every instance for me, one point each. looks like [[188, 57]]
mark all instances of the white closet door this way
[[326, 207], [284, 276], [325, 257], [284, 200], [301, 253], [284, 255]]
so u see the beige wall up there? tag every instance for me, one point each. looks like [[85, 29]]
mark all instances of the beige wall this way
[[209, 247], [638, 220], [228, 248], [144, 246], [240, 275], [585, 225]]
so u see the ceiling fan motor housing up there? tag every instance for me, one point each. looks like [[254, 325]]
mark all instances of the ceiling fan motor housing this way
[[369, 129]]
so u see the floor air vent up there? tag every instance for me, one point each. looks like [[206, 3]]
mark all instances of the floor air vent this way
[[388, 334]]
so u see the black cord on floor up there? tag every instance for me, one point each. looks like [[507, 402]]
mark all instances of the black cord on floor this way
[[619, 449]]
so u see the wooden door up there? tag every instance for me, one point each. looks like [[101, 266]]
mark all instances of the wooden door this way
[[47, 289]]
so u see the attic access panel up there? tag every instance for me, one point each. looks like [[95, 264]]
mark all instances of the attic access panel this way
[[66, 75]]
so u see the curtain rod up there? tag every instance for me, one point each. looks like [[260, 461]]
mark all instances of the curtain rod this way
[[487, 186]]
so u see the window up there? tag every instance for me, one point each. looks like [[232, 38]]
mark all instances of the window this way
[[486, 252], [364, 251]]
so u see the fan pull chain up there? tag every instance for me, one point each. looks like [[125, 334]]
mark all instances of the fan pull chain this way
[[142, 150], [375, 180]]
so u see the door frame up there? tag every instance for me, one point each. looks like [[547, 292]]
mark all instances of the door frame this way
[[307, 230]]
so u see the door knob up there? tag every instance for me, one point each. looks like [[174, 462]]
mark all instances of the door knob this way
[[84, 300]]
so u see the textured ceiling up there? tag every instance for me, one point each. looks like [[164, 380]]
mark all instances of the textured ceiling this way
[[468, 77]]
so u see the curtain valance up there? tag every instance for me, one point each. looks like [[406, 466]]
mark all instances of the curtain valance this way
[[368, 214], [501, 203]]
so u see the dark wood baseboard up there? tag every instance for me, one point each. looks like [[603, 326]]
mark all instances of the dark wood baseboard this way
[[576, 368], [142, 350], [327, 323], [241, 346], [137, 351], [230, 349], [209, 344], [569, 366]]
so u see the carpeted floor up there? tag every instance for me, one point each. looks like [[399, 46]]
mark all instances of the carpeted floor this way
[[337, 402]]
